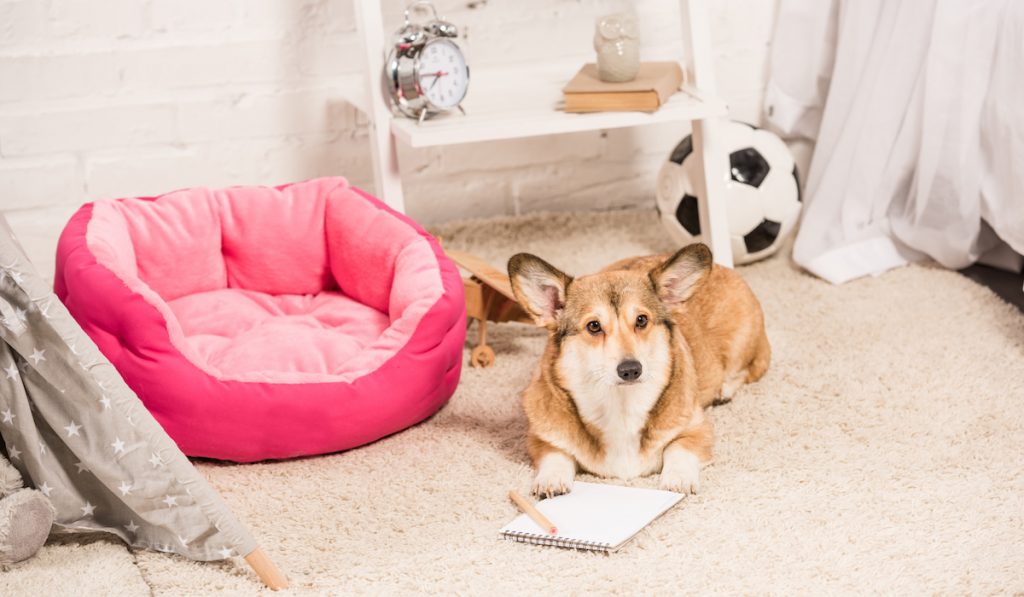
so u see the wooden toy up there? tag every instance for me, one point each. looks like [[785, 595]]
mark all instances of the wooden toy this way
[[488, 298]]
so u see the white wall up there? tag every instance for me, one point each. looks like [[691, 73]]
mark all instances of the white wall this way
[[107, 98]]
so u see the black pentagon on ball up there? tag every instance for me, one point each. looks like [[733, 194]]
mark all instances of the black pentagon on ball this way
[[748, 166], [682, 150], [761, 237], [688, 216]]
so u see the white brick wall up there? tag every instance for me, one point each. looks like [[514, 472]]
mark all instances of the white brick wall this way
[[134, 97]]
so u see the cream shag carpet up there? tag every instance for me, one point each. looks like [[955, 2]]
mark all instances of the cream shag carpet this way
[[882, 453]]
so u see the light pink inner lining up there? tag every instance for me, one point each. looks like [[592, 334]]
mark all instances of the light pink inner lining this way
[[310, 283]]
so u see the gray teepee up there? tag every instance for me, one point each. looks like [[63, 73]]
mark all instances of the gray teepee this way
[[78, 434]]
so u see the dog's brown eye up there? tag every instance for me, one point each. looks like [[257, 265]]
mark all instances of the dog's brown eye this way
[[641, 321], [594, 327]]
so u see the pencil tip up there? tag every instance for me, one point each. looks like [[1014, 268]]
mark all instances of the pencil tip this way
[[553, 531]]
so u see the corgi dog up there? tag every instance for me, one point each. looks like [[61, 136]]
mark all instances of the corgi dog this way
[[634, 354]]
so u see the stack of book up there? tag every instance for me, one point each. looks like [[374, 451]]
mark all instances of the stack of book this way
[[651, 88]]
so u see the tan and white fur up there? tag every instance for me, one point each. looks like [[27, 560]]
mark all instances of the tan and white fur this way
[[634, 355]]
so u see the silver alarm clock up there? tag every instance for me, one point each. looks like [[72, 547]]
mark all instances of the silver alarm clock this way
[[425, 72]]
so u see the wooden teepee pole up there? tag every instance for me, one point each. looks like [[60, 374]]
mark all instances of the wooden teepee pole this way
[[270, 574]]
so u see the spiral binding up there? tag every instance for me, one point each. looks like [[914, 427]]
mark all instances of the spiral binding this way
[[548, 540]]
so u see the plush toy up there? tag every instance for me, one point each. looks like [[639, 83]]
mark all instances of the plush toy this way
[[26, 516]]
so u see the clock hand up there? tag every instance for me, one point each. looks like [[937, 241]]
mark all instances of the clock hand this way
[[437, 77]]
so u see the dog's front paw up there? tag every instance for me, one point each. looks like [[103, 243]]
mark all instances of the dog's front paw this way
[[545, 488], [555, 475], [681, 472]]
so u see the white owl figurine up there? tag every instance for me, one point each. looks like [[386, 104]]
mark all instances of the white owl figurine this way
[[618, 47]]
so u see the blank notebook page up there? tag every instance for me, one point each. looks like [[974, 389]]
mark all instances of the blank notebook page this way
[[593, 516]]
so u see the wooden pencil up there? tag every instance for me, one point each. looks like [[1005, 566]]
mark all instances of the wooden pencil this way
[[530, 510]]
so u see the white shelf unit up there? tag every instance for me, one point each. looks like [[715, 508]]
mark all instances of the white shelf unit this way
[[499, 106]]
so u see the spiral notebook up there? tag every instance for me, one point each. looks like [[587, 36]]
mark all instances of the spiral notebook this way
[[593, 516]]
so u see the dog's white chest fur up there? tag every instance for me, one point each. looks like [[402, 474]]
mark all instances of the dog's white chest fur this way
[[620, 413]]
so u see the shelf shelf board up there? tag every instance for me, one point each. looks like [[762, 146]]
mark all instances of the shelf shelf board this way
[[508, 102]]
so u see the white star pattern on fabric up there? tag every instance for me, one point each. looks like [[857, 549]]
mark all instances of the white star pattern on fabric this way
[[183, 540], [81, 466], [170, 500], [17, 277], [42, 449], [14, 453], [37, 356], [45, 489], [16, 319], [226, 552], [125, 488], [131, 526], [156, 460], [11, 371], [105, 402], [72, 429], [118, 446], [73, 349], [8, 416], [88, 509], [45, 311]]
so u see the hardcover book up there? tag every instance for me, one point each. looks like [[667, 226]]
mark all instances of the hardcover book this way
[[652, 87]]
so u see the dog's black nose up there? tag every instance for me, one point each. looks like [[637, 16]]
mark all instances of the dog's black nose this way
[[630, 370]]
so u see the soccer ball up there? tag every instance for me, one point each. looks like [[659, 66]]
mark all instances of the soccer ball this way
[[762, 192]]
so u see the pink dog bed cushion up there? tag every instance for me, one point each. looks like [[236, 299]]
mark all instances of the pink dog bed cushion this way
[[259, 323]]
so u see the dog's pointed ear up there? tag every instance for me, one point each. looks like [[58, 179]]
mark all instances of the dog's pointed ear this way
[[681, 274], [539, 287]]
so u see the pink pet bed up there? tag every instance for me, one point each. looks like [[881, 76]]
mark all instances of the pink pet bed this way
[[259, 323]]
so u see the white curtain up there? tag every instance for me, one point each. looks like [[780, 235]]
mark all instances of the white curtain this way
[[917, 111]]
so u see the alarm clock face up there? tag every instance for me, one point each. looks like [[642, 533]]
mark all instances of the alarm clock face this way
[[442, 73]]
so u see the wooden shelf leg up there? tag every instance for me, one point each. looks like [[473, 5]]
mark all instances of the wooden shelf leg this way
[[269, 573], [386, 176], [707, 144], [714, 222]]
